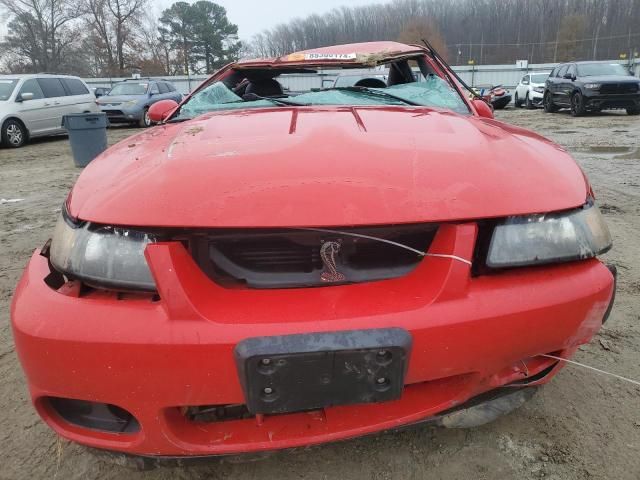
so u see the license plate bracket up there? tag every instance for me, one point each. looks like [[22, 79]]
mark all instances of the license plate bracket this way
[[290, 373]]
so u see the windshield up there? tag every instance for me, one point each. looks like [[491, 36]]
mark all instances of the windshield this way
[[431, 92], [539, 78], [129, 88], [6, 88], [597, 69]]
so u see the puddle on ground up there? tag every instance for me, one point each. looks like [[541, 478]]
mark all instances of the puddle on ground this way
[[613, 152]]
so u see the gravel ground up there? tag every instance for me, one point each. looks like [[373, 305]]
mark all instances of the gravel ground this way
[[581, 426]]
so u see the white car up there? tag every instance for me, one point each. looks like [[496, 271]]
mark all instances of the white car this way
[[33, 105], [530, 90]]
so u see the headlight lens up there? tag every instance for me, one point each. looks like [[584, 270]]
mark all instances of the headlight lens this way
[[130, 103], [592, 86], [539, 89], [558, 237], [102, 256]]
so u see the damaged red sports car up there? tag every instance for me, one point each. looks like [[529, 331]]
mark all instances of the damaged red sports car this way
[[283, 263]]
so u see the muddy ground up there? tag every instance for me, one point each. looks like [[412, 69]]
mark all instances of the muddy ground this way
[[581, 426]]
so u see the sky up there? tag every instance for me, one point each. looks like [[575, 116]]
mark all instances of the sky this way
[[254, 16]]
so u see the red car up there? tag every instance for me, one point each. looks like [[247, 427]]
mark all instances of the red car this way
[[267, 270]]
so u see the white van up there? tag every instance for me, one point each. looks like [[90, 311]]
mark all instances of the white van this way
[[33, 105]]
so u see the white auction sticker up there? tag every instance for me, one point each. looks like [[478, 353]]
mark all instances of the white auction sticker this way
[[329, 56]]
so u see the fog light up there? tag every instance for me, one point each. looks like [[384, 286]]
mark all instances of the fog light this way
[[95, 416]]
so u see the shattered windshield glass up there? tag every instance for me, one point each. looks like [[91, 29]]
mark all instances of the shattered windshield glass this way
[[430, 92]]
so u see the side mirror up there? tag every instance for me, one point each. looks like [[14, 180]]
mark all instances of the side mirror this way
[[632, 72], [482, 108], [159, 111], [568, 76], [23, 97]]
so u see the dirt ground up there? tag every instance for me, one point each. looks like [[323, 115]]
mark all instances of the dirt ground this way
[[581, 426]]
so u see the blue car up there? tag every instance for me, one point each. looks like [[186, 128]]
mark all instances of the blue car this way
[[129, 100]]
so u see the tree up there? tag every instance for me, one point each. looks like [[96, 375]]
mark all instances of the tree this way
[[201, 35], [40, 32], [423, 28], [214, 36], [571, 30], [177, 27], [112, 23]]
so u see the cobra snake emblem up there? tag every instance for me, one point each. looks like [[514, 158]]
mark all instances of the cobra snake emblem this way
[[328, 252]]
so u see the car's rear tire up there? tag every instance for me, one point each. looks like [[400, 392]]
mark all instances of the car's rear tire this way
[[577, 105], [549, 106], [516, 101], [633, 111], [13, 134], [528, 103], [145, 121]]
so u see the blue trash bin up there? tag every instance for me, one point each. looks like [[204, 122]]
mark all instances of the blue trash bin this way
[[87, 135]]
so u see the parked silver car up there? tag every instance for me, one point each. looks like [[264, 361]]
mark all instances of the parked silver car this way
[[33, 105]]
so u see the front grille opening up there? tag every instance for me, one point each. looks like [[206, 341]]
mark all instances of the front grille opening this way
[[94, 415], [291, 258], [216, 413]]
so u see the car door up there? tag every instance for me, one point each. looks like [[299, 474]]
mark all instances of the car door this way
[[175, 95], [568, 85], [33, 112], [79, 99], [521, 90], [558, 85], [56, 102]]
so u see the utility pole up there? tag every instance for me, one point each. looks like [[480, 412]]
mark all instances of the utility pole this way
[[595, 42]]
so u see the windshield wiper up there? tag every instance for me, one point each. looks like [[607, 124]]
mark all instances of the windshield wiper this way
[[380, 93], [279, 101]]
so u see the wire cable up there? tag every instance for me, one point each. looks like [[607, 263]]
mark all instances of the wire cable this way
[[573, 362], [390, 242]]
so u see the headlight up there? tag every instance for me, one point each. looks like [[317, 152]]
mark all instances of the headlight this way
[[130, 103], [592, 86], [557, 237], [539, 89], [102, 256]]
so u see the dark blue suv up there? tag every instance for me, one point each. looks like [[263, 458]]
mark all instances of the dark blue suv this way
[[129, 101]]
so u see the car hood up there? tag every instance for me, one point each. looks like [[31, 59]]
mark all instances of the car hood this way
[[326, 167], [610, 79], [121, 98]]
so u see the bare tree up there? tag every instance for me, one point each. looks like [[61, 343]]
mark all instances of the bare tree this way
[[39, 31], [112, 23]]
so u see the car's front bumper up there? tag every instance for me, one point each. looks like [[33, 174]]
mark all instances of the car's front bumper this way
[[470, 335], [601, 102], [120, 114]]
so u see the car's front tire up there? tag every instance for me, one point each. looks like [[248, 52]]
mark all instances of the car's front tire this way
[[13, 134], [633, 111], [577, 105], [528, 103], [549, 106], [517, 101], [145, 121]]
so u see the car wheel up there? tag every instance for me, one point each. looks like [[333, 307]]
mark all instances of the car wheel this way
[[633, 111], [145, 121], [549, 106], [517, 101], [528, 102], [577, 105], [13, 134]]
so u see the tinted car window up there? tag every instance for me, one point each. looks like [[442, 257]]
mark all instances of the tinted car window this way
[[562, 71], [6, 88], [154, 88], [163, 87], [52, 87], [595, 69], [75, 86], [525, 79], [129, 88], [171, 87], [572, 70], [32, 86]]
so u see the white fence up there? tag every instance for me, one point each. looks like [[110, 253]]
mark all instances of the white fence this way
[[474, 75]]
